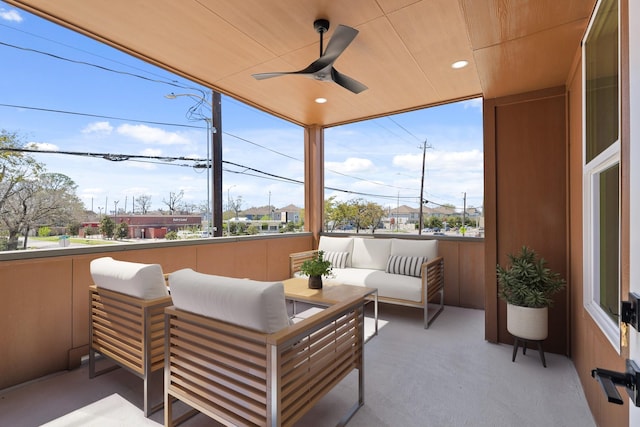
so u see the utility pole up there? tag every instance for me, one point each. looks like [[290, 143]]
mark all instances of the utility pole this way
[[464, 208], [424, 157]]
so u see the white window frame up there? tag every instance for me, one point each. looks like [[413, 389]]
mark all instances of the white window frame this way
[[591, 209]]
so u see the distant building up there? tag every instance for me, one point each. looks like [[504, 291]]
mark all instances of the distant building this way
[[150, 226]]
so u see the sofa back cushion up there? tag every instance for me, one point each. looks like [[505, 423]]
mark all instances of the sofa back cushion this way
[[144, 281], [405, 247], [370, 253], [337, 245], [243, 302]]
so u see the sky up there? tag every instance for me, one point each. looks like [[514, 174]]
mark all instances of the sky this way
[[62, 91]]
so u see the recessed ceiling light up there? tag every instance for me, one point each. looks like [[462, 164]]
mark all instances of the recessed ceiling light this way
[[321, 100], [459, 64]]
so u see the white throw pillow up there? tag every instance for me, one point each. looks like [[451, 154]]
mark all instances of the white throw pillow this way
[[144, 281], [406, 265], [337, 244], [243, 302]]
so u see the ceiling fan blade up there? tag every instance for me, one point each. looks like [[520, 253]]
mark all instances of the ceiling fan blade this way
[[347, 82], [262, 76], [316, 66], [341, 38]]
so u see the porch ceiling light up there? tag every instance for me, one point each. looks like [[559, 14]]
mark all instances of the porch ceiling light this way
[[321, 100], [459, 64]]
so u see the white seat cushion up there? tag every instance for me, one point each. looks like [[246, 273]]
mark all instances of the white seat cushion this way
[[243, 302], [144, 281], [389, 285]]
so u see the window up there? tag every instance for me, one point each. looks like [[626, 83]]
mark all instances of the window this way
[[602, 170]]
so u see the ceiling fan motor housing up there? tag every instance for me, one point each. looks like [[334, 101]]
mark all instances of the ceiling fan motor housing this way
[[321, 25]]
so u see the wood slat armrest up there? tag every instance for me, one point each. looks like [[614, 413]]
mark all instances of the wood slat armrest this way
[[433, 276], [315, 322], [296, 260]]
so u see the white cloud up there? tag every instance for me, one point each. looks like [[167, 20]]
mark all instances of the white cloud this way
[[43, 146], [151, 152], [101, 128], [10, 15], [150, 135], [473, 103], [350, 165]]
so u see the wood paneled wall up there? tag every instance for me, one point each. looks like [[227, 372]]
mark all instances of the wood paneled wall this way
[[45, 301], [526, 197], [589, 347]]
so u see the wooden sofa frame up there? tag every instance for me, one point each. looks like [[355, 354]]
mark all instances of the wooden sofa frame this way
[[432, 276], [130, 332], [238, 376]]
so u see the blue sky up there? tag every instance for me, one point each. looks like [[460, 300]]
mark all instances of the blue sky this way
[[48, 67]]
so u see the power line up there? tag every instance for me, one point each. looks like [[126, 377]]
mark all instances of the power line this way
[[89, 64], [200, 163], [75, 113]]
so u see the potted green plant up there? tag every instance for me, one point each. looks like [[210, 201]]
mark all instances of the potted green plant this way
[[315, 268], [527, 286]]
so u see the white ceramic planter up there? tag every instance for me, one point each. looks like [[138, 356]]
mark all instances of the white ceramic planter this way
[[527, 323]]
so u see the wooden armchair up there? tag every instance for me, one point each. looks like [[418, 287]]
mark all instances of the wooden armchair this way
[[127, 319], [256, 373]]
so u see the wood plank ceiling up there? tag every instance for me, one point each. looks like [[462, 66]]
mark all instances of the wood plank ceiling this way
[[403, 52]]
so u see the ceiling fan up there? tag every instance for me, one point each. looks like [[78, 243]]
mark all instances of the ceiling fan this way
[[322, 68]]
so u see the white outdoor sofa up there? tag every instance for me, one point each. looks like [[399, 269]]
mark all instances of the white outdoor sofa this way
[[405, 271]]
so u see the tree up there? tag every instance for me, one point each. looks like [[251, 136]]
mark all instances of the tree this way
[[343, 213], [236, 205], [329, 212], [143, 203], [174, 201], [107, 226], [122, 230], [15, 169], [48, 199], [370, 214]]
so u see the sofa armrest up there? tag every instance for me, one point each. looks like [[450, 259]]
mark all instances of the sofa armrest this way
[[432, 278], [296, 260]]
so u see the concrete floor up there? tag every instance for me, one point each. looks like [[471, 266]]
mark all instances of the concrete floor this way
[[447, 375]]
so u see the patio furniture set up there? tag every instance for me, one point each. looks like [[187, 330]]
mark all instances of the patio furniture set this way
[[228, 346]]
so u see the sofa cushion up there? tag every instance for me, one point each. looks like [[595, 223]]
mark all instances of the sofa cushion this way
[[337, 259], [370, 253], [389, 285], [337, 244], [138, 280], [407, 265], [243, 302], [406, 247]]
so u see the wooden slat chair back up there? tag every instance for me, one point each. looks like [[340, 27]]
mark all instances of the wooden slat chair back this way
[[128, 330], [243, 377]]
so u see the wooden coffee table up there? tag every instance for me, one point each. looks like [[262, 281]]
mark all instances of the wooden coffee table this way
[[297, 290]]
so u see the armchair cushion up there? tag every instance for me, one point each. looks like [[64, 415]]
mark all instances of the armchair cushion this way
[[243, 302], [144, 281]]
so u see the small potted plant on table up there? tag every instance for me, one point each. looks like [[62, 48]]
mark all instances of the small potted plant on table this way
[[527, 286], [315, 268]]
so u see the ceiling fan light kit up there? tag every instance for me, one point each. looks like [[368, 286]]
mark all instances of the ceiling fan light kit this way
[[322, 68]]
